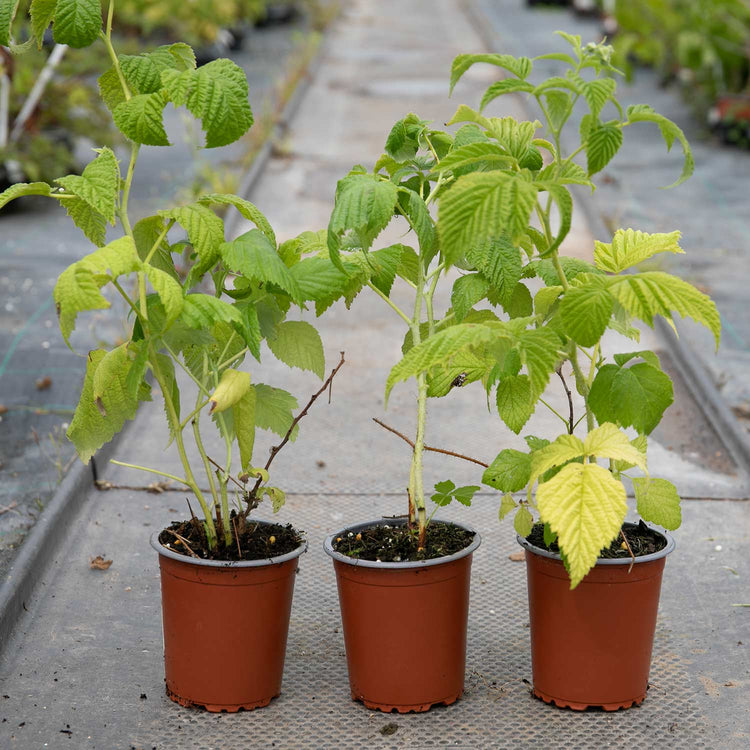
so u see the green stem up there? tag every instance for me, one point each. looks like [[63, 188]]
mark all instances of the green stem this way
[[233, 358], [204, 457], [177, 360], [555, 412], [158, 242], [152, 471], [126, 297], [199, 407], [391, 304]]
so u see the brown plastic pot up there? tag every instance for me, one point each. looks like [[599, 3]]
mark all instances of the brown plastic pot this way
[[404, 626], [225, 628], [592, 646]]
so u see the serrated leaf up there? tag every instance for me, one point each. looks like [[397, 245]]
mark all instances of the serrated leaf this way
[[467, 291], [423, 225], [519, 66], [98, 184], [586, 311], [465, 113], [219, 99], [540, 352], [651, 293], [466, 365], [403, 140], [233, 385], [143, 72], [8, 9], [205, 231], [253, 256], [481, 207], [89, 429], [603, 142], [545, 298], [523, 522], [506, 86], [437, 350], [558, 105], [598, 92], [201, 311], [110, 89], [509, 472], [514, 403], [564, 449], [658, 502], [274, 410], [140, 119], [608, 441], [146, 232], [516, 136], [23, 188], [507, 504], [243, 418], [564, 201], [89, 221], [246, 209], [383, 265], [630, 247], [634, 396], [298, 344], [568, 173], [169, 291], [320, 281], [520, 304], [481, 152], [77, 22], [669, 131], [585, 506], [500, 263]]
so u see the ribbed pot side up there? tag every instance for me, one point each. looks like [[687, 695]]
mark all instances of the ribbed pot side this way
[[404, 627], [592, 646], [225, 628]]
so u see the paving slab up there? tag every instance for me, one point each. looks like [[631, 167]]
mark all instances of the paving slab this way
[[86, 656]]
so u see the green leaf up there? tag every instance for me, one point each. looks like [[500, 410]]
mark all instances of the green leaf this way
[[558, 104], [569, 173], [545, 298], [603, 142], [253, 255], [447, 491], [630, 247], [23, 188], [564, 201], [658, 502], [516, 136], [98, 184], [383, 266], [246, 209], [466, 365], [77, 22], [634, 396], [523, 521], [422, 224], [586, 311], [481, 207], [598, 92], [403, 140], [514, 403], [274, 409], [219, 99], [669, 131], [467, 291], [519, 66], [585, 506], [364, 206], [298, 344], [169, 291], [8, 9], [505, 86], [243, 418], [507, 504], [89, 221], [520, 305], [483, 153], [438, 349], [509, 472], [98, 419], [201, 311], [145, 233], [233, 385], [540, 352], [500, 262], [140, 119], [143, 72], [110, 89], [205, 231], [320, 281], [608, 441], [651, 293]]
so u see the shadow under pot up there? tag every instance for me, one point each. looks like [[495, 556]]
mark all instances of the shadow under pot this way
[[592, 646], [404, 625], [225, 627]]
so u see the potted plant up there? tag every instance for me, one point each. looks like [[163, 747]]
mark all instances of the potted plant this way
[[591, 639], [223, 573]]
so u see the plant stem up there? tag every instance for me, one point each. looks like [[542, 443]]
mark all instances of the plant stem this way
[[107, 38], [158, 242], [391, 304], [205, 458], [151, 471]]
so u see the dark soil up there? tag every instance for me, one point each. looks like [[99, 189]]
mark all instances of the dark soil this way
[[250, 541], [397, 543], [642, 540]]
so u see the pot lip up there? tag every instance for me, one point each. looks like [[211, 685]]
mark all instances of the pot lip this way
[[671, 544], [229, 564], [407, 564]]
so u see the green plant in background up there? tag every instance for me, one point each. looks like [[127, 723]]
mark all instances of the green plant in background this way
[[497, 196], [173, 325]]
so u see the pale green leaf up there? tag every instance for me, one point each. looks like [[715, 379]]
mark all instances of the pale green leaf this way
[[140, 119], [516, 136], [505, 86], [514, 403], [274, 410], [540, 352], [89, 221], [523, 522], [243, 418], [603, 142], [77, 22], [467, 291], [499, 262], [169, 291], [586, 311], [481, 207], [608, 441], [201, 311], [246, 209], [205, 231], [564, 449], [422, 223], [630, 247], [465, 365], [298, 344], [233, 385], [23, 188], [509, 472], [558, 106], [8, 9], [146, 233], [585, 506], [320, 281], [598, 92], [507, 504], [568, 173], [658, 502], [483, 153], [651, 293], [467, 114], [98, 184], [545, 298], [519, 66]]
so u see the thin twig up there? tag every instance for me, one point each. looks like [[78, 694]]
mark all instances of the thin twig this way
[[236, 536], [428, 447], [182, 541], [630, 549], [276, 448], [571, 422], [7, 508], [221, 469]]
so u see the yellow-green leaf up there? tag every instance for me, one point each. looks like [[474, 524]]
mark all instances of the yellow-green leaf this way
[[608, 441], [233, 385]]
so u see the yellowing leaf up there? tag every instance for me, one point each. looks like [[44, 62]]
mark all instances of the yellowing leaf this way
[[564, 449], [585, 506], [608, 441], [233, 385], [630, 247]]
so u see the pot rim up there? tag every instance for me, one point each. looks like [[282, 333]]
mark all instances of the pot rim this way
[[671, 544], [406, 564], [200, 562]]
